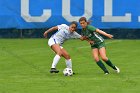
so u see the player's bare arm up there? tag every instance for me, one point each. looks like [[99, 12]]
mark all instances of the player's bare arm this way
[[50, 30], [104, 33]]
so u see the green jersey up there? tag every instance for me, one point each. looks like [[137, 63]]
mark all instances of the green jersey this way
[[91, 34]]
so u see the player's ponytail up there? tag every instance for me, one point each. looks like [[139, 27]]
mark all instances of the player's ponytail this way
[[84, 19]]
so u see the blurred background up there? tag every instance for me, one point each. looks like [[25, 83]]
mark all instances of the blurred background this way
[[30, 18]]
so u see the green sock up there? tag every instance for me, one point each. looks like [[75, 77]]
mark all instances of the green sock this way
[[109, 63], [102, 66]]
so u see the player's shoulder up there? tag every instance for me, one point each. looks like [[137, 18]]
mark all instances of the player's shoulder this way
[[90, 27], [64, 25]]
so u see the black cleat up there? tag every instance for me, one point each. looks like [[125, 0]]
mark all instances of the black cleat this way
[[54, 70]]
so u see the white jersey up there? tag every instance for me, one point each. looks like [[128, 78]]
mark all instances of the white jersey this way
[[63, 34]]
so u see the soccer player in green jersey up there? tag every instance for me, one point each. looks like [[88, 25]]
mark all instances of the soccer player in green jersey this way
[[91, 34]]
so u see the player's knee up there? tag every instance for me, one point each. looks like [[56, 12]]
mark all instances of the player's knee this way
[[96, 59], [59, 53], [104, 59]]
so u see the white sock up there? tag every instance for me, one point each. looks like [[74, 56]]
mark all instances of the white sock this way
[[55, 61], [69, 63]]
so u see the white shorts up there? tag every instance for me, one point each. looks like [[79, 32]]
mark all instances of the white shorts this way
[[53, 41]]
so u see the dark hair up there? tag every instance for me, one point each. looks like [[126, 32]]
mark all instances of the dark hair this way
[[84, 19], [74, 22]]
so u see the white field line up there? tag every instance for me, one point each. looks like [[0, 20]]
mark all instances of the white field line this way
[[105, 43]]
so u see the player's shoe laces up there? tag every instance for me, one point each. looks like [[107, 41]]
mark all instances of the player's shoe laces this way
[[54, 70], [117, 70]]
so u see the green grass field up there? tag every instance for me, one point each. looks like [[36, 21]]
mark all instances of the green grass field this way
[[25, 65]]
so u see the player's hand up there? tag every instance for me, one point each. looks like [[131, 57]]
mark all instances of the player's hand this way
[[84, 37], [110, 36], [91, 42], [45, 34]]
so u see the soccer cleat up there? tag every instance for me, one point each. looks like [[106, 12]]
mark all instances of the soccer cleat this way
[[54, 70], [106, 73], [117, 70]]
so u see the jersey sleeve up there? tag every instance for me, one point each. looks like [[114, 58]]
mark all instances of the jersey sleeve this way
[[75, 35], [91, 28]]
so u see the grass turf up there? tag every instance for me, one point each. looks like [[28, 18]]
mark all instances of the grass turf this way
[[25, 65]]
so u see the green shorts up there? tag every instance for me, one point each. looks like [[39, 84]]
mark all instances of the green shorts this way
[[98, 45]]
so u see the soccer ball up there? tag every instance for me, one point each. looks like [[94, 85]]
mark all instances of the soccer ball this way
[[67, 72]]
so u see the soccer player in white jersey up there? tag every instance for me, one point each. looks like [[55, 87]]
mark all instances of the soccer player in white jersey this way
[[55, 42]]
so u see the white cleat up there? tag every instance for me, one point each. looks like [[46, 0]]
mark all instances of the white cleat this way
[[117, 69]]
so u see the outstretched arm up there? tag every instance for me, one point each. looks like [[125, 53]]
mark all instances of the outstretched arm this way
[[50, 30], [76, 35], [104, 33]]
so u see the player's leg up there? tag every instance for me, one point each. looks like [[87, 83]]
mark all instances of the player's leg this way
[[67, 58], [95, 53], [56, 48], [102, 52]]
